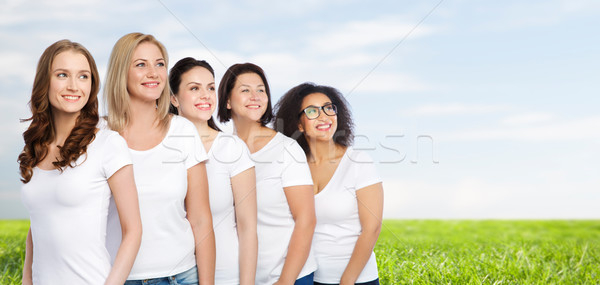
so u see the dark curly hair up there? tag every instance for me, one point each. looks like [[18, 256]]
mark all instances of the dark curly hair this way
[[289, 106], [227, 83], [41, 129], [180, 68]]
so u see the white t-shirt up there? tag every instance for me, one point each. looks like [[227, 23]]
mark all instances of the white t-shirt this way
[[160, 174], [68, 213], [281, 163], [338, 224], [228, 156]]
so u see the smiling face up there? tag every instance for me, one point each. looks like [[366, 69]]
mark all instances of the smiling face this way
[[323, 127], [196, 98], [70, 83], [248, 98], [147, 73]]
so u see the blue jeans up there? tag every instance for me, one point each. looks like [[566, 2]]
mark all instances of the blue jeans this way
[[306, 280], [189, 277], [374, 282]]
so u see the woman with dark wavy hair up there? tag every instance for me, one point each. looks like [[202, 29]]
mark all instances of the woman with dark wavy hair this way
[[285, 204], [70, 167], [232, 185], [348, 190]]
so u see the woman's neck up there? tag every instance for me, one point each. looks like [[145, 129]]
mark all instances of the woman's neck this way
[[63, 125], [255, 135], [143, 114], [324, 151], [207, 134], [248, 130]]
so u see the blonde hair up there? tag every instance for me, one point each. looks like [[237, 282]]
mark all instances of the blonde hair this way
[[115, 89]]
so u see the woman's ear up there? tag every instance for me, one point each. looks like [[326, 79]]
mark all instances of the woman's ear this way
[[228, 104], [300, 128], [174, 101]]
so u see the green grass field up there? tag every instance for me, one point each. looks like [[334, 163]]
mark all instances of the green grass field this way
[[442, 252]]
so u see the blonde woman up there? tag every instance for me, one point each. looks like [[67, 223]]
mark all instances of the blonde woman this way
[[70, 168], [232, 186], [169, 169]]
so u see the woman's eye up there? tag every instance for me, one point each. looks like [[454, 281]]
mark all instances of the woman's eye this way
[[62, 74], [261, 90], [245, 90], [161, 64], [194, 88], [83, 76], [211, 88], [141, 64]]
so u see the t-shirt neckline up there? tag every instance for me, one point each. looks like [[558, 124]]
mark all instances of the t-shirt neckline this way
[[335, 173], [268, 145], [161, 141], [209, 152]]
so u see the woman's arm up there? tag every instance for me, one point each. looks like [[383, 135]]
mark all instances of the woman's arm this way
[[244, 197], [302, 205], [370, 212], [27, 276], [198, 213], [122, 186]]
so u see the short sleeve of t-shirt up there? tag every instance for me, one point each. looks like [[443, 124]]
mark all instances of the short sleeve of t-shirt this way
[[366, 172], [115, 154], [193, 147], [244, 161], [295, 171]]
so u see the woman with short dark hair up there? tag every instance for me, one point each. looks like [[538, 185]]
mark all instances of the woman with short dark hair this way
[[286, 217]]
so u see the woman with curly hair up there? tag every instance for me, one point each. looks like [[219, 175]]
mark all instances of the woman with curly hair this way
[[348, 190], [178, 244], [285, 205], [70, 167]]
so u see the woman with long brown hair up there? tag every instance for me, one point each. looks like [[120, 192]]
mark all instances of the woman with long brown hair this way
[[70, 167]]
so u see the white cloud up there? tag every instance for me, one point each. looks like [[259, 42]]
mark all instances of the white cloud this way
[[12, 110], [537, 14], [23, 12], [454, 109], [361, 34], [379, 82], [21, 66], [476, 198], [527, 119], [575, 129]]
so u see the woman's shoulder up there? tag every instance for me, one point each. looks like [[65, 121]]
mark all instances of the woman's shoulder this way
[[109, 138], [287, 141], [358, 155], [180, 124]]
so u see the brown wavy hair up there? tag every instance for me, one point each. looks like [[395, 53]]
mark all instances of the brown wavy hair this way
[[41, 131]]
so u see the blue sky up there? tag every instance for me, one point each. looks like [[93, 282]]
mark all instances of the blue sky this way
[[483, 110]]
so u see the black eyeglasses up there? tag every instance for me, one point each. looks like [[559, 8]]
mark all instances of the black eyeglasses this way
[[313, 112]]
